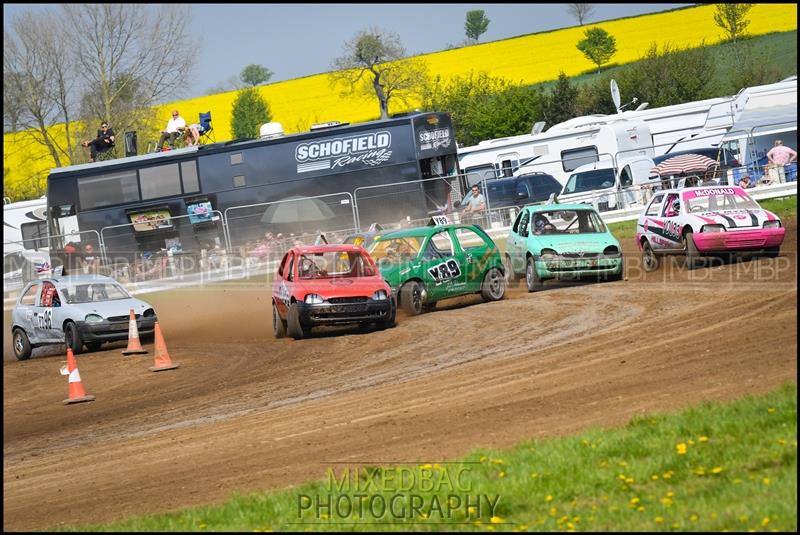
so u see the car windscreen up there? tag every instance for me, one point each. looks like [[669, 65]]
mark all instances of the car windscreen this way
[[590, 180], [88, 292], [567, 222], [396, 249], [332, 264], [714, 199]]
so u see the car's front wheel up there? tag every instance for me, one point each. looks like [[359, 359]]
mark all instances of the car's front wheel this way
[[510, 276], [390, 321], [649, 259], [72, 338], [772, 252], [690, 249], [22, 346], [494, 285], [293, 325], [532, 280], [278, 325], [412, 298]]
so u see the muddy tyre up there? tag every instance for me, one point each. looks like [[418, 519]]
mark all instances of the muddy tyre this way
[[413, 298], [650, 261], [278, 325], [494, 285], [22, 345], [293, 326], [532, 280], [72, 338]]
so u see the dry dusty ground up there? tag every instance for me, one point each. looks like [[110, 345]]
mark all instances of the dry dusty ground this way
[[247, 412]]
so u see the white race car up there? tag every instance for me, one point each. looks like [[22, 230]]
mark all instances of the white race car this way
[[76, 311], [705, 221]]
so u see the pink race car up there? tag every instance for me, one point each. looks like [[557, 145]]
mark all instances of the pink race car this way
[[706, 221]]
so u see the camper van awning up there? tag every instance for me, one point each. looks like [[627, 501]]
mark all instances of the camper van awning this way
[[763, 121]]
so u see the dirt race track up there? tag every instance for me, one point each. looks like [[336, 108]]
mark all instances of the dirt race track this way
[[246, 412]]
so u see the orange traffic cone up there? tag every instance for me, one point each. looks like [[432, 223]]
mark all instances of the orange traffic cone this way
[[162, 360], [76, 392], [134, 346]]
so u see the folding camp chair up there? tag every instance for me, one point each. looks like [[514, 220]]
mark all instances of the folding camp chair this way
[[206, 130]]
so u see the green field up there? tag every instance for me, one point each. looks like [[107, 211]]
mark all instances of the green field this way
[[713, 467]]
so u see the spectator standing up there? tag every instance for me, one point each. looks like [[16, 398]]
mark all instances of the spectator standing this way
[[744, 182], [91, 262], [476, 203], [174, 128], [779, 156], [102, 143]]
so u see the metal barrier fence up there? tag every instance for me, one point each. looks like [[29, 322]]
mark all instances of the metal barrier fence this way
[[290, 218], [31, 258], [392, 204], [158, 247]]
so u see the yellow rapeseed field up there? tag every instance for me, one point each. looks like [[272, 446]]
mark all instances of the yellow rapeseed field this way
[[529, 59]]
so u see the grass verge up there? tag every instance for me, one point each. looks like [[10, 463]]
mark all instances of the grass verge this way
[[712, 467]]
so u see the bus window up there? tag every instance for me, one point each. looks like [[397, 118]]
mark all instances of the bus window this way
[[105, 190], [160, 181]]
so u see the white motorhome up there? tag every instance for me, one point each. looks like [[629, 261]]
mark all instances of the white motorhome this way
[[25, 243], [763, 114], [558, 151]]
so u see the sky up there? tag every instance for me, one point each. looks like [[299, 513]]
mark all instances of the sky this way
[[296, 40]]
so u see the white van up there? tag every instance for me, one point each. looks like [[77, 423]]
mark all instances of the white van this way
[[608, 187]]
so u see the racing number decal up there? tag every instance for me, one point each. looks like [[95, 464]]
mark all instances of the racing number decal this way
[[45, 319], [672, 230], [445, 271], [283, 293]]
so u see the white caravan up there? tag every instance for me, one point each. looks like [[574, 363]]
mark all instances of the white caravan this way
[[558, 151], [25, 243]]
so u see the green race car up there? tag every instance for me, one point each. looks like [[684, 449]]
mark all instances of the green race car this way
[[561, 241], [426, 264]]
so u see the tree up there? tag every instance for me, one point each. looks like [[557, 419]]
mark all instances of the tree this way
[[254, 75], [580, 11], [374, 62], [561, 103], [598, 46], [476, 24], [79, 66], [232, 83], [732, 18], [250, 111], [482, 106]]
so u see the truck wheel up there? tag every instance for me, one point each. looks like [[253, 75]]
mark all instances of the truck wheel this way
[[72, 339], [278, 325], [412, 299], [494, 285], [22, 346], [532, 280], [293, 326], [650, 261]]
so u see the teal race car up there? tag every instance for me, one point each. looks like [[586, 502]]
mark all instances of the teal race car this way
[[561, 241], [427, 264]]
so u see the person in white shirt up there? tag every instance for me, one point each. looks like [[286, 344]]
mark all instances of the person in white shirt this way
[[174, 128]]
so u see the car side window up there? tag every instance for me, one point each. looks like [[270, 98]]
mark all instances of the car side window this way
[[29, 298], [282, 266], [469, 239], [439, 246], [625, 178], [655, 205], [289, 271], [669, 211], [49, 295], [523, 224], [515, 228], [543, 186]]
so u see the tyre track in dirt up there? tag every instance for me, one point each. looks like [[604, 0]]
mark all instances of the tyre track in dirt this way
[[245, 412]]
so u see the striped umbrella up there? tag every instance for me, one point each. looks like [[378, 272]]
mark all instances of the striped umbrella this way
[[684, 163]]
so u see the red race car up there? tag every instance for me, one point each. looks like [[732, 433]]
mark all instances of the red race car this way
[[329, 285]]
